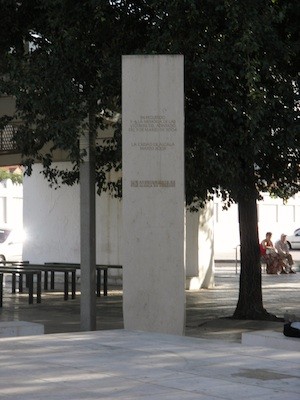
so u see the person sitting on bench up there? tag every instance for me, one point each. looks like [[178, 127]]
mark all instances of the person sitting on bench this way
[[283, 250], [269, 254]]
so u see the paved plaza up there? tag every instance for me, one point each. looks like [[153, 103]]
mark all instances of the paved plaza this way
[[134, 365], [207, 310], [208, 363]]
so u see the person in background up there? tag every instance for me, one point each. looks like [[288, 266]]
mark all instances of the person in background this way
[[283, 251], [274, 263]]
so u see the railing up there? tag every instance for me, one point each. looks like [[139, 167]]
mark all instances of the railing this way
[[7, 144], [262, 261], [236, 258]]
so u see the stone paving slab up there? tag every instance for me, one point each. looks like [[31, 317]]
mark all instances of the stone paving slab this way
[[134, 365], [273, 339], [20, 328]]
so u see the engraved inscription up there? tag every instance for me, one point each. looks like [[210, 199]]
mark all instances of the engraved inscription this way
[[153, 145], [152, 123], [150, 184]]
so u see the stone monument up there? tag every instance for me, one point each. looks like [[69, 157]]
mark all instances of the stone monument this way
[[153, 193]]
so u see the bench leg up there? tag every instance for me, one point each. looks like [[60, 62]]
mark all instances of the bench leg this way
[[30, 288], [73, 284], [98, 282], [1, 290], [39, 287], [20, 283], [46, 280], [52, 280], [105, 283], [13, 283], [66, 286]]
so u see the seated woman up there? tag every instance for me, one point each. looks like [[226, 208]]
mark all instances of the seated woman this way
[[273, 260]]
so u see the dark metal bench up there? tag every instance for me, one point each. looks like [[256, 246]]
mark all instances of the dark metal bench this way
[[61, 267], [104, 268], [20, 271], [101, 269], [46, 268]]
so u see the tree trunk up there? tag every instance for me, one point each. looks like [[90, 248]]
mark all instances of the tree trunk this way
[[250, 303]]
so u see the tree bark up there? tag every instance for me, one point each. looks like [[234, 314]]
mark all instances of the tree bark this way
[[250, 302]]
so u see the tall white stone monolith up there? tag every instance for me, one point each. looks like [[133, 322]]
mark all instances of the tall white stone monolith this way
[[153, 193]]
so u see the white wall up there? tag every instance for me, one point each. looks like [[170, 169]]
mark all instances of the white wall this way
[[52, 226], [52, 222], [273, 216], [11, 204], [199, 248]]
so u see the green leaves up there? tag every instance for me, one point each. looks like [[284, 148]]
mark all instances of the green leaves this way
[[241, 94], [72, 67], [15, 177], [241, 83]]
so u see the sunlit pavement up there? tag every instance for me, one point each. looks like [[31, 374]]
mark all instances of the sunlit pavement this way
[[133, 365], [111, 363]]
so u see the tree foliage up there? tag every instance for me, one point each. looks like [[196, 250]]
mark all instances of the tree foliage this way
[[70, 71], [242, 88], [242, 111], [16, 178], [241, 83]]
